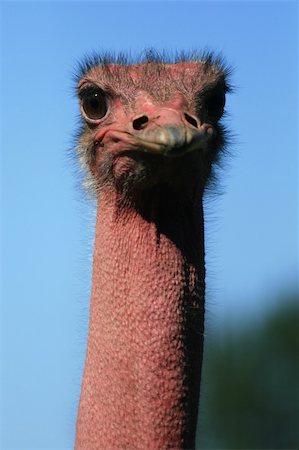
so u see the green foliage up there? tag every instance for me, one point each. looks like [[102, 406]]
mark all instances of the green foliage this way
[[250, 392]]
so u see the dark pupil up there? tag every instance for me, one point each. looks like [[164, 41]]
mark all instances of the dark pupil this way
[[94, 105], [214, 104], [94, 102]]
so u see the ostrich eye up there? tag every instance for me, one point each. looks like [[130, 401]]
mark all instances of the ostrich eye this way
[[94, 103], [212, 103]]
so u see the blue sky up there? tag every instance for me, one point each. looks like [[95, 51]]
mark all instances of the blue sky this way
[[47, 221]]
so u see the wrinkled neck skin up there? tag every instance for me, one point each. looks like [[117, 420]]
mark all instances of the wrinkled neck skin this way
[[141, 382]]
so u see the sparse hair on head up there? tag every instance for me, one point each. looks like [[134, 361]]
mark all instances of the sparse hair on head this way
[[105, 58]]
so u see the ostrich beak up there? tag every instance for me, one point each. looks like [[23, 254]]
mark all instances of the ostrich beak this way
[[170, 131], [165, 131], [174, 140]]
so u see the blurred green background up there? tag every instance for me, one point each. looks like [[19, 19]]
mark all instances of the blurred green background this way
[[250, 395]]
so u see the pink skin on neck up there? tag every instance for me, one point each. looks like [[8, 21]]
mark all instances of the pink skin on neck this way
[[141, 381]]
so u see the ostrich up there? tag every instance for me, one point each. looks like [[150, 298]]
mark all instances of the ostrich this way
[[149, 138]]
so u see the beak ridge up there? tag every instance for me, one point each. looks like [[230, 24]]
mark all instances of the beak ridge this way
[[173, 140]]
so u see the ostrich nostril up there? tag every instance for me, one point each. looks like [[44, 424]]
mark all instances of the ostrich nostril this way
[[140, 122], [191, 120]]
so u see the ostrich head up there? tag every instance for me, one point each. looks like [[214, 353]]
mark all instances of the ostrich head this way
[[152, 123]]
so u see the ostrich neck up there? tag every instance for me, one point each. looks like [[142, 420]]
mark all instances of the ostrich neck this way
[[142, 374]]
